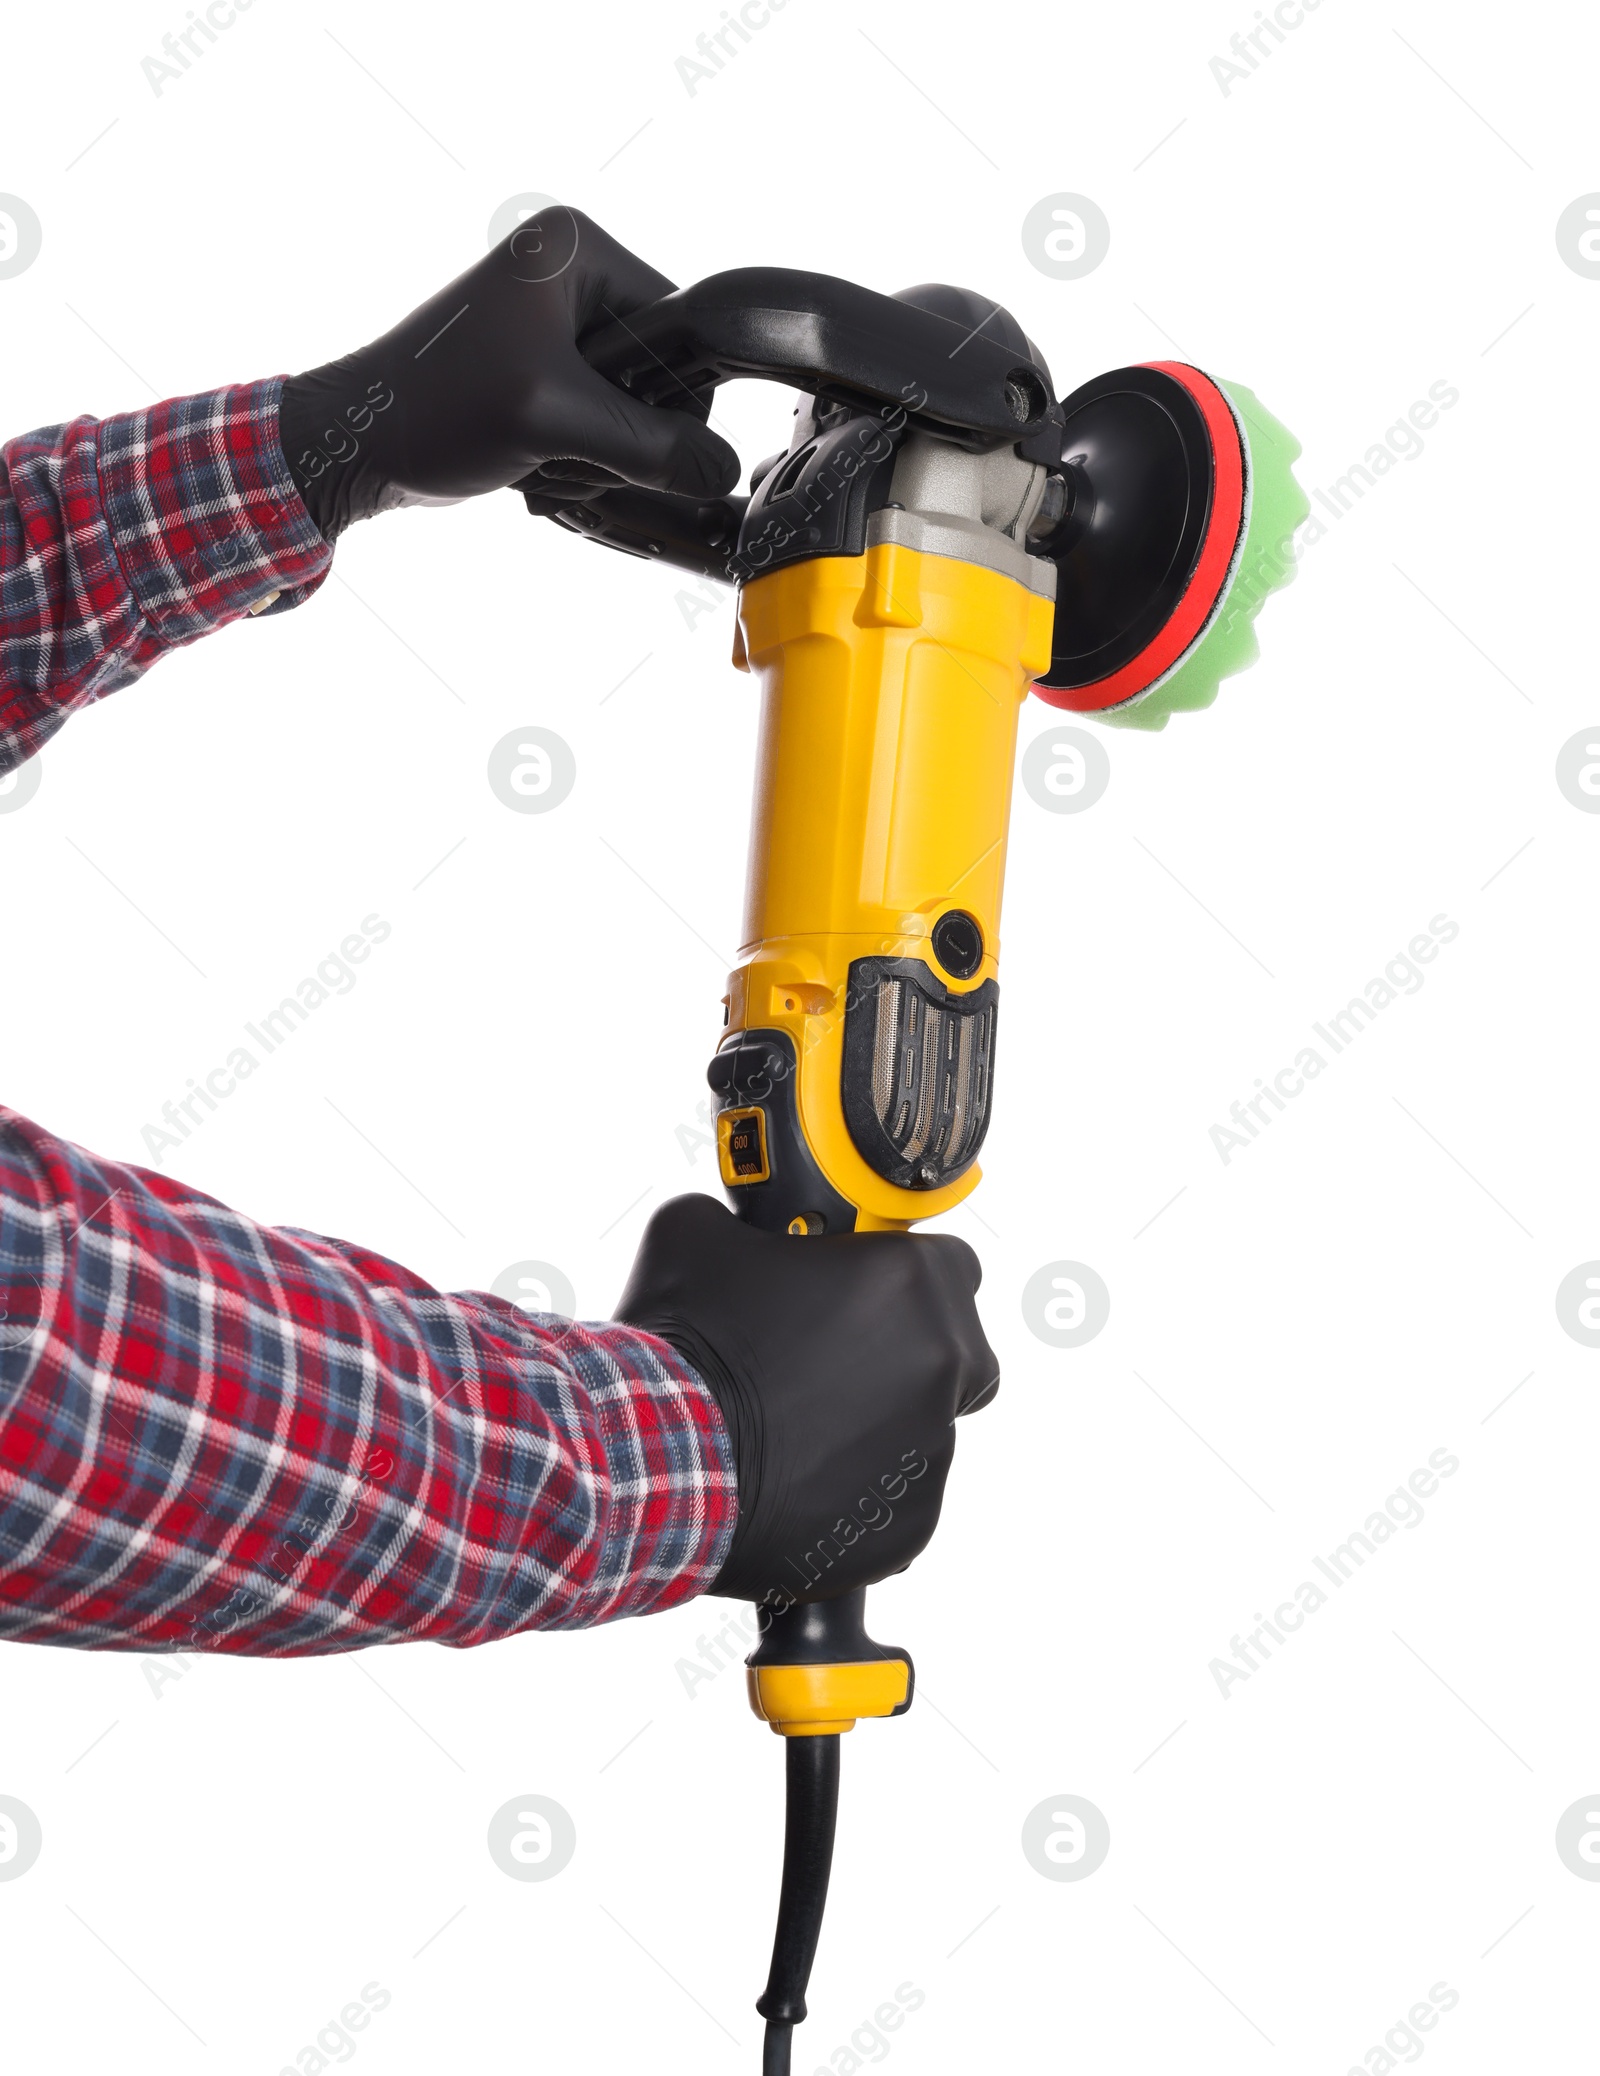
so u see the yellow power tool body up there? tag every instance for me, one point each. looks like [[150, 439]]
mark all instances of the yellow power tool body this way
[[899, 568], [890, 687]]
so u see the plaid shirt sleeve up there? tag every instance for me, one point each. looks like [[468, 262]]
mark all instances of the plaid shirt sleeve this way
[[121, 538], [217, 1435]]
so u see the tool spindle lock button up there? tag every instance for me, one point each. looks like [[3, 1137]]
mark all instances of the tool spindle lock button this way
[[958, 943]]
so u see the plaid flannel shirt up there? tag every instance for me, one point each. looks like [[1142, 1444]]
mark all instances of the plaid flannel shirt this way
[[218, 1435]]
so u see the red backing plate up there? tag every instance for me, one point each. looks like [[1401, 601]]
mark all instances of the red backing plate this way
[[1194, 608]]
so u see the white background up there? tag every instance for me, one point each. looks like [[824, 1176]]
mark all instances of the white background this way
[[1298, 1863]]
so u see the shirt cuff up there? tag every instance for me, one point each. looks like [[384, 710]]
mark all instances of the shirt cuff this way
[[671, 1499], [203, 513]]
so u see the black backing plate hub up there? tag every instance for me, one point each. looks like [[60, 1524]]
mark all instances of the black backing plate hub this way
[[1141, 470]]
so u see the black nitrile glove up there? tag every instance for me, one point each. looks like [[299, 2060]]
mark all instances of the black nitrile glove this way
[[485, 386], [839, 1365]]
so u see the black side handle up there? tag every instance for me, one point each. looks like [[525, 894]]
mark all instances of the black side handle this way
[[936, 358], [832, 338]]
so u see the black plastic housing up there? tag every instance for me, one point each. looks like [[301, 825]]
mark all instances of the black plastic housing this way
[[817, 500], [698, 534], [758, 1067]]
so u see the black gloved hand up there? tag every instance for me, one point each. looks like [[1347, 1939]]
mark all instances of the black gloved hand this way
[[485, 386], [839, 1366]]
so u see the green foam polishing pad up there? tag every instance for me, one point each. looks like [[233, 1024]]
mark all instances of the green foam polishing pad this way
[[1180, 523]]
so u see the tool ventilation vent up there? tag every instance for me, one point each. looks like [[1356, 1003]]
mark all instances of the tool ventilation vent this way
[[918, 1069]]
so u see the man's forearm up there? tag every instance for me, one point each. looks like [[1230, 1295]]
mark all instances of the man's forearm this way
[[121, 538], [216, 1435]]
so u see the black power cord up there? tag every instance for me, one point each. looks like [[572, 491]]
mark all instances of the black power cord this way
[[825, 1632], [811, 1806]]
